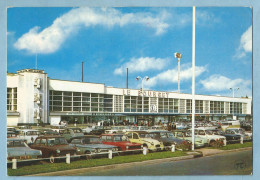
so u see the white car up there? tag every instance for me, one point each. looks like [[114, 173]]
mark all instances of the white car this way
[[209, 135], [28, 135], [247, 136], [117, 129]]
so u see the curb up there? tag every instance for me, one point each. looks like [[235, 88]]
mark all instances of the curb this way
[[192, 155], [113, 166]]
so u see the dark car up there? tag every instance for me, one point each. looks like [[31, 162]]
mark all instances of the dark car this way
[[71, 132], [231, 137], [53, 146], [12, 129], [169, 139], [97, 130], [121, 141]]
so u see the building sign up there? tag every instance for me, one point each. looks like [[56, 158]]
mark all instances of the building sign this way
[[153, 108], [102, 114], [147, 93], [77, 113]]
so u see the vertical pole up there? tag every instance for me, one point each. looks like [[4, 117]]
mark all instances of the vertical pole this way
[[14, 163], [126, 78], [142, 96], [82, 71], [193, 76], [110, 154], [179, 69], [36, 61], [68, 158]]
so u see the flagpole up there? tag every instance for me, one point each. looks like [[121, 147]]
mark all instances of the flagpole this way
[[193, 76]]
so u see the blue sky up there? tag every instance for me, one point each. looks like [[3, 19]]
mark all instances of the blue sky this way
[[109, 40]]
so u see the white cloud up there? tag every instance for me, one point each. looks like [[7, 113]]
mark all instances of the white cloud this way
[[218, 82], [171, 76], [245, 44], [142, 64], [51, 38]]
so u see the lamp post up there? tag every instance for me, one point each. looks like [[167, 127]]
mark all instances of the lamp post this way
[[142, 79], [233, 95], [178, 56]]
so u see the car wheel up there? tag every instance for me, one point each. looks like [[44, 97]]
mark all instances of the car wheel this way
[[213, 143], [88, 155]]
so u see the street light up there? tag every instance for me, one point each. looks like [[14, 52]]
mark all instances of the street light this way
[[233, 90], [142, 79], [178, 56]]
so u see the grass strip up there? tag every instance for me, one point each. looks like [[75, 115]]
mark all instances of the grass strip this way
[[233, 146], [44, 168]]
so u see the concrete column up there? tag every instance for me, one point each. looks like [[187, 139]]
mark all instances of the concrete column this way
[[110, 154], [173, 148], [14, 163], [68, 158]]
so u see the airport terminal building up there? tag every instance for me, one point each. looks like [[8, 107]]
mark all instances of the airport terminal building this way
[[34, 98]]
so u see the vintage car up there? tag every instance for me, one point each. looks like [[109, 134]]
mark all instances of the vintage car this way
[[28, 135], [58, 128], [199, 141], [12, 129], [91, 144], [231, 137], [212, 139], [121, 141], [87, 130], [53, 146], [139, 128], [239, 131], [97, 130], [169, 139], [11, 134], [18, 149], [71, 132], [117, 129], [145, 139], [47, 131]]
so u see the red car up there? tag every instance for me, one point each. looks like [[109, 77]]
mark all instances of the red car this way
[[121, 141]]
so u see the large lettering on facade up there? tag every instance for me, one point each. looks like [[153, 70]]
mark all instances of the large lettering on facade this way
[[147, 93]]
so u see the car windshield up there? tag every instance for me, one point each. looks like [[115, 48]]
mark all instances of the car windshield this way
[[32, 133], [92, 141], [170, 135], [77, 130], [15, 143], [118, 138], [144, 135], [56, 141], [208, 132]]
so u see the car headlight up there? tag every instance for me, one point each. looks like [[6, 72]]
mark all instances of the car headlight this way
[[127, 147], [78, 149], [58, 151]]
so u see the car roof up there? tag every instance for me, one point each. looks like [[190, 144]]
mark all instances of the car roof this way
[[26, 130], [51, 136], [87, 136], [112, 134], [15, 139]]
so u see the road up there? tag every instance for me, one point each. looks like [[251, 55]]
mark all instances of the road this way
[[232, 163]]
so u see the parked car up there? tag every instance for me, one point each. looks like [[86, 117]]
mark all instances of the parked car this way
[[139, 128], [117, 129], [212, 139], [145, 139], [230, 135], [25, 127], [246, 136], [11, 134], [121, 141], [58, 128], [28, 135], [46, 131], [91, 144], [71, 132], [87, 130], [97, 130], [169, 139], [247, 126], [199, 141], [53, 146], [18, 149], [12, 129]]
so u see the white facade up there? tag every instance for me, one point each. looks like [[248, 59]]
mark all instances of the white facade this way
[[40, 99]]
